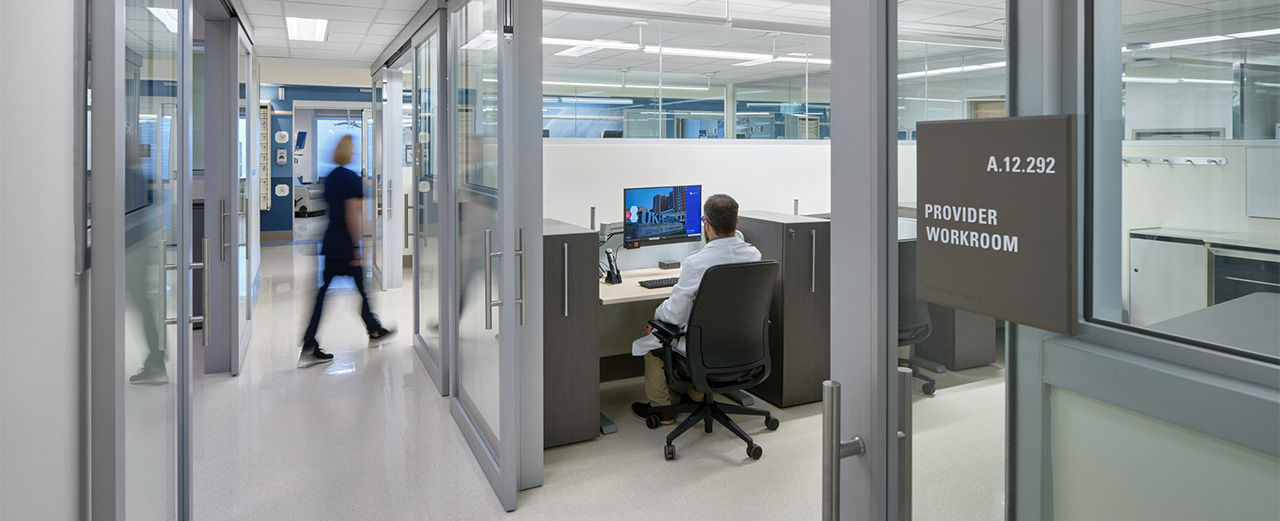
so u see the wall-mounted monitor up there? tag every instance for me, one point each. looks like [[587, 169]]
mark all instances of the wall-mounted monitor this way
[[661, 215]]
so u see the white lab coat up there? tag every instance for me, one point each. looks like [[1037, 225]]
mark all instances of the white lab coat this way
[[676, 309]]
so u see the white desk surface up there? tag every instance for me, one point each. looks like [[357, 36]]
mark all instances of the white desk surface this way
[[630, 290]]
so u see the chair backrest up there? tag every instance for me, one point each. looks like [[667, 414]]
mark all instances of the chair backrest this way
[[727, 340], [914, 325]]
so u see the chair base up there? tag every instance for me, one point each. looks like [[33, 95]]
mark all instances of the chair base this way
[[709, 410], [930, 383]]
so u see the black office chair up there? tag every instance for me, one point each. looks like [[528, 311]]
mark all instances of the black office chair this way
[[914, 325], [726, 348]]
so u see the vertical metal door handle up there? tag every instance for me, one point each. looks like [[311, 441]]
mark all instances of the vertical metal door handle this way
[[222, 230], [904, 443], [566, 279], [490, 303], [519, 253], [204, 274], [407, 208], [813, 260], [834, 450]]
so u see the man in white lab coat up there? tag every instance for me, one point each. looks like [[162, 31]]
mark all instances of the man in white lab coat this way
[[719, 224]]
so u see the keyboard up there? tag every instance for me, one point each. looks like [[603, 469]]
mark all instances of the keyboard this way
[[660, 283]]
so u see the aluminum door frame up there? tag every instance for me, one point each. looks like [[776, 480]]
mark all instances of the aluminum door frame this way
[[447, 203], [105, 265], [864, 293], [517, 464]]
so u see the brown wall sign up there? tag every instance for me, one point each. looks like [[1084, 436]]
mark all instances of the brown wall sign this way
[[997, 218]]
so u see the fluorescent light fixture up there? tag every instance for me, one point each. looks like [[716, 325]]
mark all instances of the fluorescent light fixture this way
[[1266, 84], [1147, 79], [615, 85], [597, 101], [749, 114], [306, 29], [482, 42], [602, 44], [810, 60], [1188, 41], [954, 44], [1206, 81], [167, 17], [1256, 34], [951, 70], [753, 63], [666, 87], [930, 99], [704, 53]]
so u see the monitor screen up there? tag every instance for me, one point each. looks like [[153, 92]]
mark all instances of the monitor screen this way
[[661, 215]]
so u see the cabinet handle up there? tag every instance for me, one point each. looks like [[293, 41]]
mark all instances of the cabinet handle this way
[[566, 279], [813, 260]]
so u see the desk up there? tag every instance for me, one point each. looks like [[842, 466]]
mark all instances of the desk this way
[[630, 290], [1247, 323]]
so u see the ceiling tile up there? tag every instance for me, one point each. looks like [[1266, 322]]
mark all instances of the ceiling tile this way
[[329, 12], [268, 7], [261, 21], [392, 16]]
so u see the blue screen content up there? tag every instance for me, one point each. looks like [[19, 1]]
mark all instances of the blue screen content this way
[[670, 213]]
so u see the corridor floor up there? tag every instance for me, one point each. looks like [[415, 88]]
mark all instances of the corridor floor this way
[[369, 438]]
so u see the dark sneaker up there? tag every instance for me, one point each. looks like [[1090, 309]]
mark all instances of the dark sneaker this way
[[313, 356], [150, 376], [380, 333], [641, 410]]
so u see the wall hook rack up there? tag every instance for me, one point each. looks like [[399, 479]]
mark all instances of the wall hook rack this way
[[1172, 161]]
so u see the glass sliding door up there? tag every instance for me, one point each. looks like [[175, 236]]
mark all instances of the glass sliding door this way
[[426, 193], [139, 322], [245, 125]]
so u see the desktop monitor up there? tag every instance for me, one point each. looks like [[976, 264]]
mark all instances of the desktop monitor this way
[[661, 215]]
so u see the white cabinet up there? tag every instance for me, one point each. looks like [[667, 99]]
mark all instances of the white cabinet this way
[[1166, 279]]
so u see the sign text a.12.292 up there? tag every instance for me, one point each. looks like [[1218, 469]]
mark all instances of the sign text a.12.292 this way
[[997, 220]]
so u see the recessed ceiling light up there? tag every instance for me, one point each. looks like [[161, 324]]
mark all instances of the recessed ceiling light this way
[[306, 29], [167, 17]]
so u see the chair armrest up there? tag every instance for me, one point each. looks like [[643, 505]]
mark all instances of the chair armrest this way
[[664, 331]]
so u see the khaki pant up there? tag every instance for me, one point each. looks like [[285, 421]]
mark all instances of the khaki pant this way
[[655, 382]]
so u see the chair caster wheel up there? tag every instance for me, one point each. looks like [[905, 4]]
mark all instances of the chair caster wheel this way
[[771, 423], [928, 388], [652, 421], [669, 452], [754, 451]]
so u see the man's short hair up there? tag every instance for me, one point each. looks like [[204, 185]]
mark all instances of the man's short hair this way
[[721, 212]]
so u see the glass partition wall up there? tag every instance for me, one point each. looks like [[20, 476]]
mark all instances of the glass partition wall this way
[[1186, 162], [425, 189], [611, 76]]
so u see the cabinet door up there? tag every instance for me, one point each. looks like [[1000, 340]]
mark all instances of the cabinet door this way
[[807, 313], [1166, 279]]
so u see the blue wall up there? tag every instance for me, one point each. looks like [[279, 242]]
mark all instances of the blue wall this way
[[280, 216]]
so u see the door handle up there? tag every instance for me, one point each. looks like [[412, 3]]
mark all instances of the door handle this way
[[833, 450], [490, 303], [222, 229], [566, 279], [519, 253], [204, 246], [813, 260], [407, 208], [904, 443]]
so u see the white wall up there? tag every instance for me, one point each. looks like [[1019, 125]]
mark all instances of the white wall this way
[[1181, 106], [1113, 463], [294, 71], [760, 174], [39, 335]]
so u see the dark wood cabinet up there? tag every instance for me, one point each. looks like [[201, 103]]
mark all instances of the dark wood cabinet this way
[[800, 317], [571, 334]]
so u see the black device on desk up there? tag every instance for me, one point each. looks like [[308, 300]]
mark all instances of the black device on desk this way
[[660, 283], [614, 275]]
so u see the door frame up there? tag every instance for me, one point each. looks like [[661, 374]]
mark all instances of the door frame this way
[[105, 264], [863, 211], [440, 370], [517, 462]]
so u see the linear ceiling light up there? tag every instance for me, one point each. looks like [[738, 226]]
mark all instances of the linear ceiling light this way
[[1256, 34], [602, 44], [167, 17], [596, 101], [955, 44], [951, 70], [482, 42], [306, 29], [1188, 41], [614, 85], [704, 53]]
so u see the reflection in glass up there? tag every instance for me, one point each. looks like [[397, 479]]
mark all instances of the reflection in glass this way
[[426, 202], [151, 117], [1188, 119], [617, 76], [476, 119]]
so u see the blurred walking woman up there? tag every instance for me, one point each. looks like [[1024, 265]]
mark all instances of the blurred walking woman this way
[[341, 250]]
